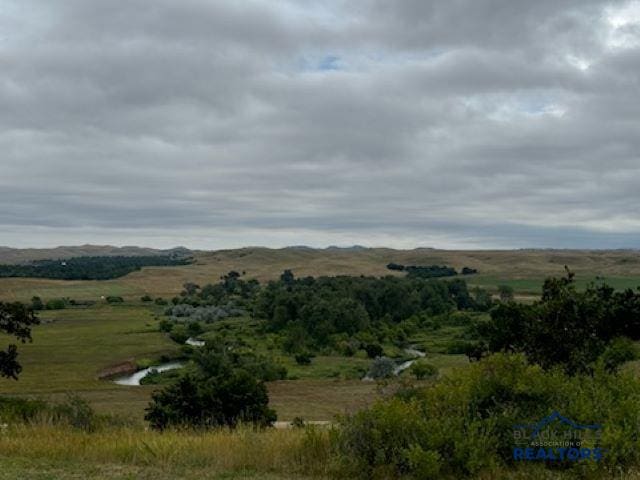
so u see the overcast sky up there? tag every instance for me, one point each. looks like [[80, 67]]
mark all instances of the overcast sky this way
[[211, 124]]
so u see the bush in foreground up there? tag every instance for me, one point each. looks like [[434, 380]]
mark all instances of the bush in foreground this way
[[218, 392], [463, 424]]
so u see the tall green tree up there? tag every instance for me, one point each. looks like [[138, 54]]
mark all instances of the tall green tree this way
[[16, 320]]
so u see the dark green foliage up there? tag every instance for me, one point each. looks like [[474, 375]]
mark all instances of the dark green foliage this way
[[374, 350], [315, 311], [421, 370], [146, 298], [194, 329], [56, 304], [114, 299], [160, 301], [427, 271], [482, 300], [37, 304], [287, 277], [468, 271], [395, 266], [166, 325], [161, 378], [462, 425], [505, 292], [303, 358], [89, 268], [566, 327], [431, 271], [179, 334], [16, 320], [619, 351], [218, 393]]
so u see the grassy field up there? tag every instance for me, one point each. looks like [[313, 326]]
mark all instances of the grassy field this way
[[523, 269], [72, 346]]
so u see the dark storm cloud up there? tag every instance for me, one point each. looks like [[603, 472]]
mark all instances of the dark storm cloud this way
[[209, 123]]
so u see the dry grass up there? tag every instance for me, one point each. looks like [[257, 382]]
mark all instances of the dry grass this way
[[282, 453], [266, 264]]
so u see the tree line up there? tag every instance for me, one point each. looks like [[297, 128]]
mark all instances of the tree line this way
[[90, 268]]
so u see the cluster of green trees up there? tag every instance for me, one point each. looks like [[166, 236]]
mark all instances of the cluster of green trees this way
[[318, 308], [566, 327], [430, 271], [222, 389], [89, 268], [427, 271], [230, 289], [16, 320]]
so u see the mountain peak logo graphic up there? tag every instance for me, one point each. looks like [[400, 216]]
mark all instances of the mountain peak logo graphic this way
[[556, 417]]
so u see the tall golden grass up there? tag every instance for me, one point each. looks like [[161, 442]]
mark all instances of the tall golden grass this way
[[291, 451]]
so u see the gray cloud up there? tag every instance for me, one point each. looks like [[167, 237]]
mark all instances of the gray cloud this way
[[217, 124]]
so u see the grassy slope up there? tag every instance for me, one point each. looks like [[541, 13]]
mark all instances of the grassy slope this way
[[524, 269], [73, 345]]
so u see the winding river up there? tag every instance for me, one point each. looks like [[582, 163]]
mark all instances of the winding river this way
[[134, 378], [404, 365]]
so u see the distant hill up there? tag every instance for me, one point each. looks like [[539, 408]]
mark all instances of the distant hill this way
[[24, 255], [525, 270]]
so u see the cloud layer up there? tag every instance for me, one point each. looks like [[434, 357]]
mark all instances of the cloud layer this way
[[215, 124]]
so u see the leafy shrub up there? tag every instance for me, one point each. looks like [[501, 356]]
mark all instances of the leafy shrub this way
[[114, 299], [37, 304], [382, 367], [374, 350], [462, 425], [160, 301], [179, 334], [146, 298], [56, 304], [194, 329], [421, 370], [217, 393], [166, 325], [77, 412], [303, 358], [619, 351]]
